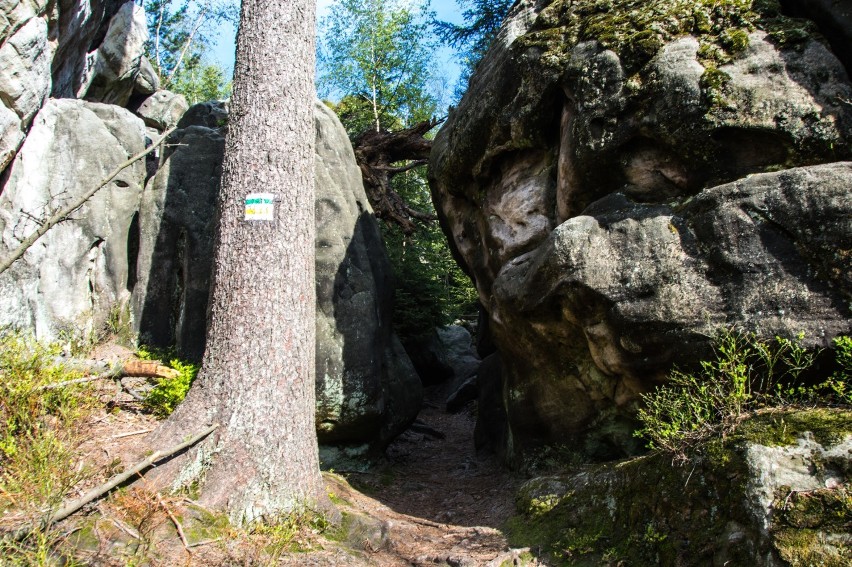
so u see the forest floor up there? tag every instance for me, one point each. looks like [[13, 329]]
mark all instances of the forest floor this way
[[431, 501]]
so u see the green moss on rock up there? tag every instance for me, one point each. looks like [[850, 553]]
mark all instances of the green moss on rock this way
[[647, 511], [637, 29]]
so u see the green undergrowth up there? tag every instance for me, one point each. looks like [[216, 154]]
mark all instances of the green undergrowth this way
[[646, 511], [40, 429], [169, 392], [747, 375]]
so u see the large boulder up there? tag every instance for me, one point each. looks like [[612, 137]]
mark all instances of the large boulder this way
[[365, 383], [163, 109], [594, 181], [79, 30], [175, 233], [75, 277], [118, 61], [367, 389]]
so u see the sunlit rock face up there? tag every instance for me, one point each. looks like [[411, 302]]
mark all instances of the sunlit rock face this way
[[622, 180], [76, 277]]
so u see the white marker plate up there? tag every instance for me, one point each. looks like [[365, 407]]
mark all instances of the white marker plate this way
[[260, 207]]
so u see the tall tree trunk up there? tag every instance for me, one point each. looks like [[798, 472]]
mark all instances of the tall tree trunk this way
[[257, 375]]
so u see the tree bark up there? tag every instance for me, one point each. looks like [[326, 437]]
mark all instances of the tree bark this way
[[257, 374]]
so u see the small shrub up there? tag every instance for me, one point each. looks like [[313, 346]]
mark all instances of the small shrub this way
[[169, 392], [293, 532], [746, 374]]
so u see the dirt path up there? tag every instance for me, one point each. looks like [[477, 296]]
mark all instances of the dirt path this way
[[438, 502]]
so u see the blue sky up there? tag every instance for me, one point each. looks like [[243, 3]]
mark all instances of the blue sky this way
[[223, 51]]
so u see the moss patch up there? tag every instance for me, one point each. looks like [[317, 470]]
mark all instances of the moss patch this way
[[636, 29], [775, 428]]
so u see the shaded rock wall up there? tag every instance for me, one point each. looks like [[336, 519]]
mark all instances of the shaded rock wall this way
[[594, 181]]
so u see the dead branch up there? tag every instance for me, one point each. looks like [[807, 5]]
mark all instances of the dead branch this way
[[174, 520], [97, 492], [131, 434], [103, 371], [67, 210], [376, 152]]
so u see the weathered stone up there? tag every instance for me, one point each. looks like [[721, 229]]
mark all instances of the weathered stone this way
[[163, 109], [147, 81], [81, 27], [366, 387], [834, 18], [576, 142], [463, 395], [367, 390], [69, 283], [11, 136], [446, 353], [116, 63], [212, 114], [25, 59], [175, 234], [14, 14]]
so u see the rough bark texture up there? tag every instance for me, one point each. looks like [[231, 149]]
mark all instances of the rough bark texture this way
[[257, 377]]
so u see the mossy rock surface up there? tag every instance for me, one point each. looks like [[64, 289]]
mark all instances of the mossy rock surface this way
[[711, 511]]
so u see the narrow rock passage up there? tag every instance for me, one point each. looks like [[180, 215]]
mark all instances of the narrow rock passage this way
[[440, 502]]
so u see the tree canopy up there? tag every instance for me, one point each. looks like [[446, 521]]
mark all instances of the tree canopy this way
[[482, 19], [376, 60], [180, 36], [375, 57]]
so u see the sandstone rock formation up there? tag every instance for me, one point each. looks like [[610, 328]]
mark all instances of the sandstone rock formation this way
[[162, 110], [67, 49], [25, 56], [597, 181], [773, 494], [117, 63], [77, 275]]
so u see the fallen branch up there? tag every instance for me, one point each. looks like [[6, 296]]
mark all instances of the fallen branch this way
[[205, 542], [131, 434], [65, 211], [174, 520], [131, 367], [83, 380], [115, 481]]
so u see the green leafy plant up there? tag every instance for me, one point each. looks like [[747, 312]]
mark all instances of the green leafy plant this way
[[745, 375], [163, 398], [293, 532]]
